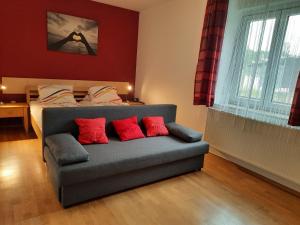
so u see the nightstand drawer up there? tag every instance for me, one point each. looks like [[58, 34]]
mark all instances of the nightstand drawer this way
[[11, 112]]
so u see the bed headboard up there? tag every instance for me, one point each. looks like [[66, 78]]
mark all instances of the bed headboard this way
[[28, 86]]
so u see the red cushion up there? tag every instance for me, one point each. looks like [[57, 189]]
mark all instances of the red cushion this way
[[128, 129], [92, 131], [155, 126]]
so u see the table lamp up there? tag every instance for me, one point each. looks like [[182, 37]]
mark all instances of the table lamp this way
[[129, 89], [2, 87]]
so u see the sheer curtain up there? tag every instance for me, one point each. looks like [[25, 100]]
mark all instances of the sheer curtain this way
[[260, 59]]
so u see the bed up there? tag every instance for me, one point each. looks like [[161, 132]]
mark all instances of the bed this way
[[36, 109], [79, 93]]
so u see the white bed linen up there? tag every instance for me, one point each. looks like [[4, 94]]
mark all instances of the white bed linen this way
[[36, 109]]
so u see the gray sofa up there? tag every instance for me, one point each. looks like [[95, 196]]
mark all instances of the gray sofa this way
[[118, 165]]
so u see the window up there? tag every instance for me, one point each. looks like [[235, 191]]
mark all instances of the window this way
[[268, 59]]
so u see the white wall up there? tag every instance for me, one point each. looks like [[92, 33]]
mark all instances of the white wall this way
[[168, 47], [232, 28]]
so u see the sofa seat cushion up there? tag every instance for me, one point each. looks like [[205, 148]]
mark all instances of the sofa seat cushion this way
[[121, 157]]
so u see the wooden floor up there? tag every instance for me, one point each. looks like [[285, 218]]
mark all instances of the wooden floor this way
[[221, 194], [15, 133]]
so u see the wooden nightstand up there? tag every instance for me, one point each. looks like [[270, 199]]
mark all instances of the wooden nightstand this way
[[135, 103], [11, 110]]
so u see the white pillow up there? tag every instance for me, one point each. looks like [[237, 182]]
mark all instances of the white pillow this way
[[104, 94], [56, 94]]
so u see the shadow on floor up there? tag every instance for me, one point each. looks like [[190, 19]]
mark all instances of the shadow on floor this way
[[15, 133]]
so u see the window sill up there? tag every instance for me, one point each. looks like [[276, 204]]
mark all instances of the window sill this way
[[257, 115]]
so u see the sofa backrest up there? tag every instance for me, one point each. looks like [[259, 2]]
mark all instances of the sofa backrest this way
[[61, 119]]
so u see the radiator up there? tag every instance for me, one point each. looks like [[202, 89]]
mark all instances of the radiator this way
[[270, 150]]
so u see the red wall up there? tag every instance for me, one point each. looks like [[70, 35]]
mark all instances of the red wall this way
[[23, 41]]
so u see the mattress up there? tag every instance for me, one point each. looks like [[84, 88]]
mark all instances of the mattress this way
[[36, 108], [36, 113]]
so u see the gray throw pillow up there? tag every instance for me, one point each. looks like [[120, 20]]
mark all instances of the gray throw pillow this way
[[66, 149], [184, 133]]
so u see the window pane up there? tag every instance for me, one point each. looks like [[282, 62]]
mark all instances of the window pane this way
[[249, 58], [263, 59], [289, 64], [256, 58]]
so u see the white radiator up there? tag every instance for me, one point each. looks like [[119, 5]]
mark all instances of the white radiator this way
[[269, 150]]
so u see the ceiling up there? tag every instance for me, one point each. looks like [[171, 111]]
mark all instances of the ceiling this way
[[137, 5]]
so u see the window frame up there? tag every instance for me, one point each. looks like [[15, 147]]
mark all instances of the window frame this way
[[283, 25], [265, 103]]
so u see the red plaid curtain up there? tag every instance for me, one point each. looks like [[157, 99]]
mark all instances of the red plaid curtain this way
[[210, 52], [294, 119]]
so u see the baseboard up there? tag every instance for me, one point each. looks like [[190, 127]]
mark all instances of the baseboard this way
[[270, 177]]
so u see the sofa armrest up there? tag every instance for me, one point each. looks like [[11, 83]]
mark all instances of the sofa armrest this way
[[66, 149], [184, 133]]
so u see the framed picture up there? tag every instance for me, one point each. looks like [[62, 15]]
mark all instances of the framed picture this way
[[72, 34]]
